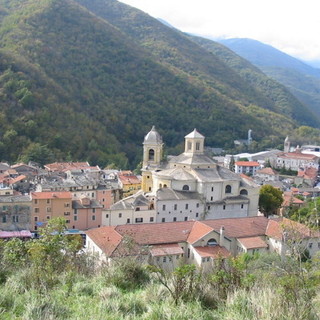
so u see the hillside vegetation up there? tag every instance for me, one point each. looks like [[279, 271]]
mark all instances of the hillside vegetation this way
[[302, 80], [86, 80], [47, 278]]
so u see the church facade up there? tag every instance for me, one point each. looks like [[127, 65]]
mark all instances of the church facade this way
[[191, 185]]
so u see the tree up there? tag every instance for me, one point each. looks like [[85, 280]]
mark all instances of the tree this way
[[270, 199]]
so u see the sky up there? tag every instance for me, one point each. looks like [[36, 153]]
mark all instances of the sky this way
[[292, 26]]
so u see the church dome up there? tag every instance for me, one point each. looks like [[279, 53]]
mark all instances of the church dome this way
[[152, 137]]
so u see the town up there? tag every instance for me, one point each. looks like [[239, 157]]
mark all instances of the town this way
[[193, 206]]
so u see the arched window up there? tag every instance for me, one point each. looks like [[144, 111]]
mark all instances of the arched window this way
[[244, 192], [160, 185], [212, 242], [185, 187], [165, 186], [151, 154], [228, 189]]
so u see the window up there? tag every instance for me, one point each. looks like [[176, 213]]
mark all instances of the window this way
[[107, 216], [67, 221], [4, 219], [36, 210], [163, 220], [128, 220], [170, 258], [75, 218], [35, 201], [93, 210], [151, 219], [187, 206], [67, 205], [211, 198], [139, 220], [163, 207], [203, 259], [209, 207], [92, 194], [228, 189], [224, 207], [244, 192], [185, 187], [189, 145], [197, 146], [197, 215], [67, 213], [93, 218], [197, 205], [175, 207], [185, 218], [164, 259], [48, 200], [48, 217], [212, 242], [212, 189], [48, 209], [310, 245], [151, 154], [242, 206], [174, 219], [36, 219], [120, 215]]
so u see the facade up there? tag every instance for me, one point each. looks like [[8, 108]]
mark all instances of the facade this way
[[48, 205], [15, 212], [201, 242], [219, 192], [267, 175], [247, 167], [129, 183]]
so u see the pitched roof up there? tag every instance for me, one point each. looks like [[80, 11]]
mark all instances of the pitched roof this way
[[268, 171], [166, 249], [17, 179], [214, 252], [65, 166], [106, 238], [289, 199], [129, 179], [51, 195], [247, 163], [297, 155], [198, 231], [253, 242], [194, 134]]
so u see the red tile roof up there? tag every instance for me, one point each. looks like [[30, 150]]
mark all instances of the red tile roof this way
[[198, 231], [17, 179], [126, 179], [297, 155], [65, 166], [308, 173], [253, 242], [166, 250], [289, 199], [247, 163], [51, 195], [214, 252], [106, 238], [268, 171]]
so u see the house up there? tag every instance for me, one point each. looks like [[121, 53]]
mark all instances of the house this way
[[289, 200], [129, 183], [48, 205], [247, 167], [200, 242], [267, 175], [307, 176], [15, 212], [86, 214]]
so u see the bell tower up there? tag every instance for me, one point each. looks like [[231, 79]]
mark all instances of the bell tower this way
[[286, 145], [152, 155], [194, 143]]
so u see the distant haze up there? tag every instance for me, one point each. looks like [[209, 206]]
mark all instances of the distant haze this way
[[290, 26]]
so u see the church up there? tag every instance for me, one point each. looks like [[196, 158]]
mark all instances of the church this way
[[191, 185]]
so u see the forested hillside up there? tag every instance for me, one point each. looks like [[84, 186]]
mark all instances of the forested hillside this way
[[86, 80], [301, 79]]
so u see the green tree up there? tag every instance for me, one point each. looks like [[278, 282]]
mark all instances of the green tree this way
[[270, 199]]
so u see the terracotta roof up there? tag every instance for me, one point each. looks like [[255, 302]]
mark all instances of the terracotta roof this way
[[268, 171], [297, 155], [253, 242], [240, 227], [17, 179], [157, 233], [125, 179], [198, 231], [51, 195], [277, 228], [289, 199], [106, 238], [65, 166], [308, 173], [214, 252], [247, 163], [166, 250]]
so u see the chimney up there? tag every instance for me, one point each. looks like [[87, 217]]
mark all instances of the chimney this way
[[221, 242]]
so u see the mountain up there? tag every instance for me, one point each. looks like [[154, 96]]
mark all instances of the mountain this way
[[300, 78], [85, 80]]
